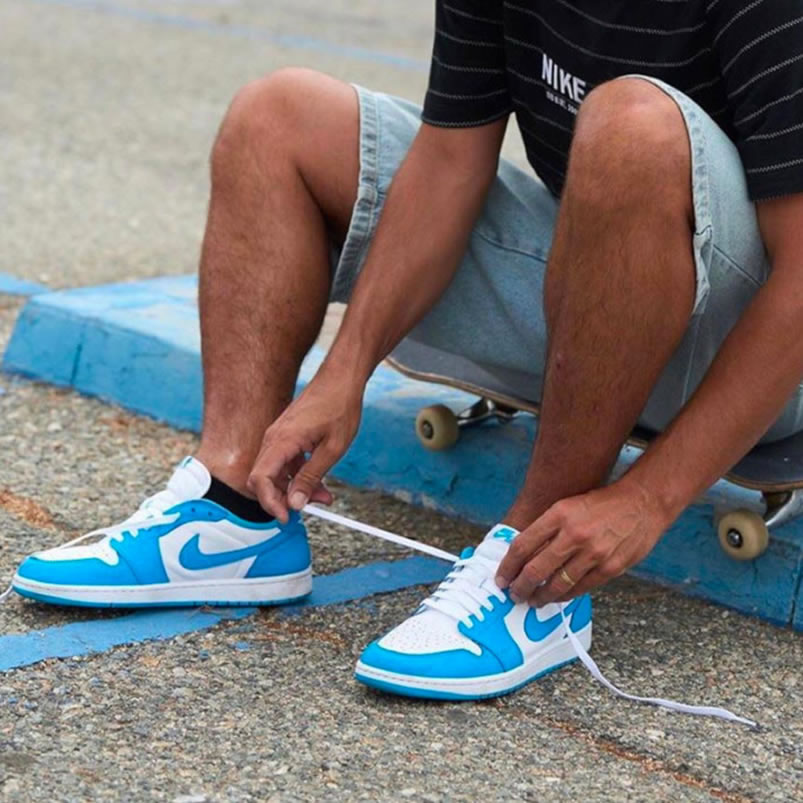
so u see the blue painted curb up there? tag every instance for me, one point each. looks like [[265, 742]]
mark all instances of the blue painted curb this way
[[138, 345], [99, 635], [12, 286]]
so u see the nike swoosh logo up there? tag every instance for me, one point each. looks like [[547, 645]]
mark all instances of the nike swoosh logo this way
[[537, 630], [193, 559]]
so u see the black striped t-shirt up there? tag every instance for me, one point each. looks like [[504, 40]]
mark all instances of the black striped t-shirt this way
[[741, 60]]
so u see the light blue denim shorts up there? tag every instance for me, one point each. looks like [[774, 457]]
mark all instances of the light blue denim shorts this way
[[491, 315]]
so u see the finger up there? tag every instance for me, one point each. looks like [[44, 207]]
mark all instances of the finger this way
[[268, 477], [323, 495], [309, 477], [524, 546], [291, 469], [282, 481], [278, 493], [542, 567], [613, 566], [592, 580], [558, 586], [270, 497]]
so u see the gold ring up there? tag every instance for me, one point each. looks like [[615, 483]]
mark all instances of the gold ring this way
[[564, 575]]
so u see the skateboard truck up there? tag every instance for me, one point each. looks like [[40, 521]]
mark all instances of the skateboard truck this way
[[485, 409], [438, 426]]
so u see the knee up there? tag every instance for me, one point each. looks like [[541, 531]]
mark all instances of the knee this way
[[261, 120], [630, 143]]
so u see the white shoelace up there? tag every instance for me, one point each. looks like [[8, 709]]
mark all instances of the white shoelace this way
[[148, 514], [466, 590]]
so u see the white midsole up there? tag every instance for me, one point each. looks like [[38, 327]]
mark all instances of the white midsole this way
[[255, 589], [556, 653]]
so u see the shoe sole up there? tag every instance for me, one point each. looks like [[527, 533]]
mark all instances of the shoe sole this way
[[549, 660], [252, 591]]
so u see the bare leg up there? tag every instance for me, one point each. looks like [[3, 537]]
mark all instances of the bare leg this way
[[285, 168], [619, 288]]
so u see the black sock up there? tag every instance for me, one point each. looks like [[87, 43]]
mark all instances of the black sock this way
[[235, 502]]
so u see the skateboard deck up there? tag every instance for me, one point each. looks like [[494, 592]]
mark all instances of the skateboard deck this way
[[770, 468]]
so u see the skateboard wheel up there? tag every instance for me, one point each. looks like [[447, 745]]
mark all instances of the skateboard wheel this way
[[436, 427], [743, 534]]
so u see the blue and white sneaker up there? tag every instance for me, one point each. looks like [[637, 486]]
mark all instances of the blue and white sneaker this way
[[177, 549], [469, 640]]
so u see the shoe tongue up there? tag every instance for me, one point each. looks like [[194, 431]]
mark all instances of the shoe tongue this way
[[493, 547], [191, 480], [496, 541]]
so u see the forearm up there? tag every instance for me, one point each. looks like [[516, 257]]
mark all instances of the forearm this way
[[432, 205], [753, 376]]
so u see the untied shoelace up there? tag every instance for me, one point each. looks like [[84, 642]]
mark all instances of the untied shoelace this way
[[582, 654], [150, 507]]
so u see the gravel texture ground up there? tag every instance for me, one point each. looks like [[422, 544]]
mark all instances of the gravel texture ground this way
[[108, 110]]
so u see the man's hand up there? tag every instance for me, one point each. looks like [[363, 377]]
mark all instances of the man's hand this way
[[591, 538], [299, 448]]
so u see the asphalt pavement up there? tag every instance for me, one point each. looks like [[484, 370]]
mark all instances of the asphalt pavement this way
[[107, 112]]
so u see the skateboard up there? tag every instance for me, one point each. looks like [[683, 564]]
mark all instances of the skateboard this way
[[774, 469]]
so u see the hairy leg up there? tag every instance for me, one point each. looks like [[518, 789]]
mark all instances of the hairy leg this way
[[619, 288], [284, 170]]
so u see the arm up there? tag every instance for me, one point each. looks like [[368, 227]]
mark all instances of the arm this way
[[432, 205], [754, 374]]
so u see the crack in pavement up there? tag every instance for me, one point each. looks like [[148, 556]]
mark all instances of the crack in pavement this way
[[647, 762]]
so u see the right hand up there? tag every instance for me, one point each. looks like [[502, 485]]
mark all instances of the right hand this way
[[300, 447]]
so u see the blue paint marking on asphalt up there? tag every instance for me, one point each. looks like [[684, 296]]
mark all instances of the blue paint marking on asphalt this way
[[373, 578], [98, 635], [11, 285], [296, 41]]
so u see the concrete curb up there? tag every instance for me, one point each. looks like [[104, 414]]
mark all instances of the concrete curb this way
[[138, 345]]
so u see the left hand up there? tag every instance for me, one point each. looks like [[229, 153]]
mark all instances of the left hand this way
[[592, 538]]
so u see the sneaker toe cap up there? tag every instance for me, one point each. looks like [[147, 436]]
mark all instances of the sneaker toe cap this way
[[450, 663], [82, 572]]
